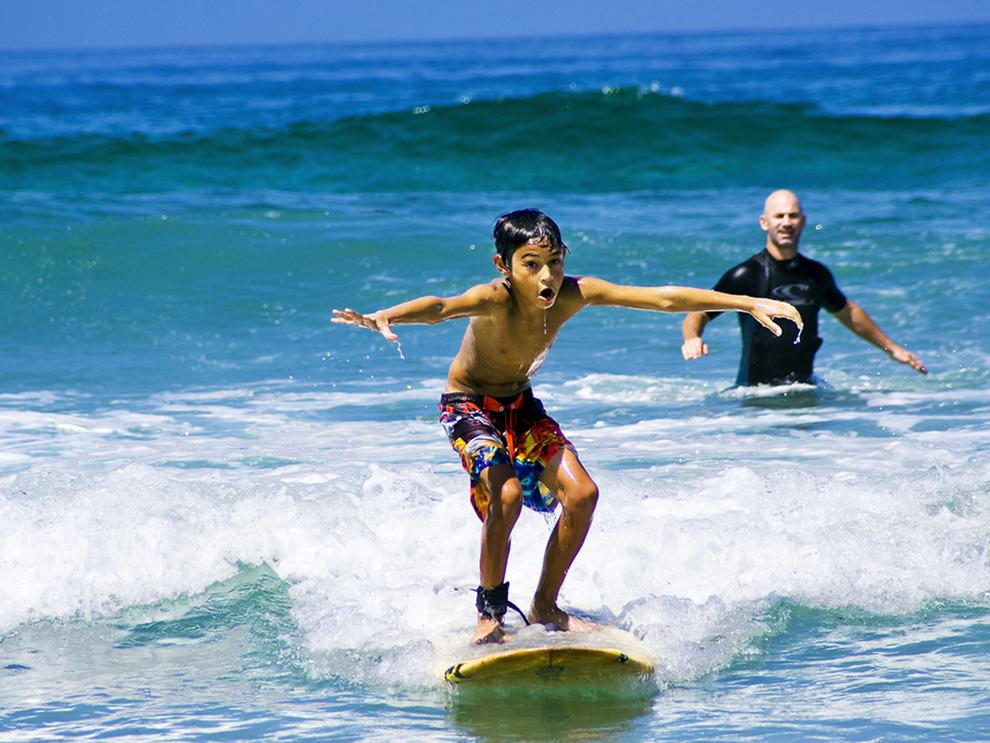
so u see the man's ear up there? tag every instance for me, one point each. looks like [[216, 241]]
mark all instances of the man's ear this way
[[500, 265], [763, 223]]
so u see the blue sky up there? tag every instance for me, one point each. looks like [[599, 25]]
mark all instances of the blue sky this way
[[26, 24]]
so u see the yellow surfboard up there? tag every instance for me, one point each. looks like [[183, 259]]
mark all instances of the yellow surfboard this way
[[557, 656]]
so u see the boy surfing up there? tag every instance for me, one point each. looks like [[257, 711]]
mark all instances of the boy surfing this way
[[513, 451]]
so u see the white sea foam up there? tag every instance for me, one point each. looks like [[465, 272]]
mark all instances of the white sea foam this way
[[703, 522]]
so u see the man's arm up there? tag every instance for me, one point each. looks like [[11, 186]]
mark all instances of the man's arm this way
[[686, 299], [691, 330], [477, 300], [745, 279], [859, 321]]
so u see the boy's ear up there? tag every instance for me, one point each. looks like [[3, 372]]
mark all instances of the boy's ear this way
[[500, 265]]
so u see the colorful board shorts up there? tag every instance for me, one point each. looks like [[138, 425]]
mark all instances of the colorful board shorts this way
[[515, 431]]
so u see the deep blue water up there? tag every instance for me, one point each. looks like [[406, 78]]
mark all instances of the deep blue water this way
[[222, 517]]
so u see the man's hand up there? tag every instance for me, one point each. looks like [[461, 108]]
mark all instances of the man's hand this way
[[694, 348], [372, 322], [764, 310], [901, 354]]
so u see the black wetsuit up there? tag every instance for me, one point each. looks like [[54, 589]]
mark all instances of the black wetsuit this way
[[805, 283]]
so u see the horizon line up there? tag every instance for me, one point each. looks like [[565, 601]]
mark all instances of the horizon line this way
[[858, 26]]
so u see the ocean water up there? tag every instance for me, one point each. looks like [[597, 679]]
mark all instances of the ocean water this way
[[222, 517]]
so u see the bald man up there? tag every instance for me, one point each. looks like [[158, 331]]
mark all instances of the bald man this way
[[780, 272]]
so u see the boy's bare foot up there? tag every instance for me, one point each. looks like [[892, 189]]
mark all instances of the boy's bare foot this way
[[488, 631], [555, 618]]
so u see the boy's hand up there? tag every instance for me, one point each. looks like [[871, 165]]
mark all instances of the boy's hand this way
[[373, 321], [766, 309]]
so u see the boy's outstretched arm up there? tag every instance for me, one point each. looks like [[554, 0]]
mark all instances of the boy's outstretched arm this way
[[686, 299], [429, 310]]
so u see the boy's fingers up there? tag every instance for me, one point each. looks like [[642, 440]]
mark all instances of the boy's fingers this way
[[350, 317], [383, 327], [773, 308]]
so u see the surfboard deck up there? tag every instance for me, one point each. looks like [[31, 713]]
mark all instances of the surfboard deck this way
[[556, 657]]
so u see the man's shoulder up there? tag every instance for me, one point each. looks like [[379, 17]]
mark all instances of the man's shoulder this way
[[812, 262], [757, 260], [744, 271], [815, 267], [754, 261]]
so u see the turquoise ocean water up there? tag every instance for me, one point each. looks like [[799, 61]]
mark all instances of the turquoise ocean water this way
[[221, 517]]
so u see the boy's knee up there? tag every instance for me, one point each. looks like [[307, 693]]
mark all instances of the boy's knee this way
[[509, 497], [583, 497]]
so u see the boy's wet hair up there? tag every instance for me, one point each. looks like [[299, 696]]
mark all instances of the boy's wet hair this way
[[523, 227]]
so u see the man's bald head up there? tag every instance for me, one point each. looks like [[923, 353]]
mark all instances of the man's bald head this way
[[782, 219], [782, 200]]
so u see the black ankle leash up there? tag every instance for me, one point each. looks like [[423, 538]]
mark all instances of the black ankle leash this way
[[493, 602]]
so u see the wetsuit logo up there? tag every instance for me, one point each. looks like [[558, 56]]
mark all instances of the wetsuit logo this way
[[796, 294]]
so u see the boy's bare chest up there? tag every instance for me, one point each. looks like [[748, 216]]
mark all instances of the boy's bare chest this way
[[533, 336], [516, 344]]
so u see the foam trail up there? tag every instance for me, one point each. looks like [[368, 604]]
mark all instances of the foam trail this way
[[378, 546]]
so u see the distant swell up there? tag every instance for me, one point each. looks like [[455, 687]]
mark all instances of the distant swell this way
[[622, 140]]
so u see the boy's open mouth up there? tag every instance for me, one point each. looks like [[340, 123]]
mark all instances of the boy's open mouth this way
[[547, 294]]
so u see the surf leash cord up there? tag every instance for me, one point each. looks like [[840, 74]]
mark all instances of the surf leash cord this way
[[493, 602]]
